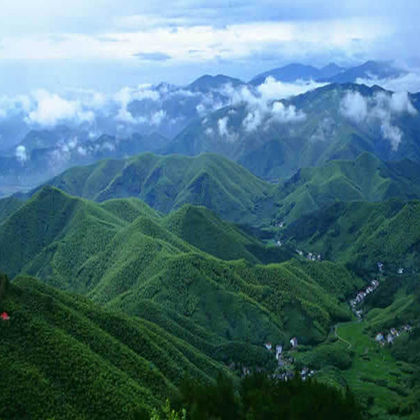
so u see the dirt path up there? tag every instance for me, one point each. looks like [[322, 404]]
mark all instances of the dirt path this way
[[340, 338]]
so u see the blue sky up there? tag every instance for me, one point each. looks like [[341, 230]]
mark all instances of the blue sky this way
[[104, 44]]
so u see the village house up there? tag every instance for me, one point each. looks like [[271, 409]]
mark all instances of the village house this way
[[294, 342], [268, 346], [245, 371], [401, 270], [279, 350], [361, 295], [394, 332]]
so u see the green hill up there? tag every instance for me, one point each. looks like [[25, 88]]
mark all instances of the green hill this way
[[169, 182], [120, 262], [203, 229], [362, 234], [64, 357], [366, 178], [8, 206]]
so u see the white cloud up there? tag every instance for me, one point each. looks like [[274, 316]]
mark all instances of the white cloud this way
[[224, 132], [409, 82], [391, 133], [400, 103], [108, 146], [51, 109], [273, 89], [127, 95], [252, 120], [20, 153], [82, 151], [222, 126], [382, 108], [286, 113], [158, 117], [232, 41], [354, 107]]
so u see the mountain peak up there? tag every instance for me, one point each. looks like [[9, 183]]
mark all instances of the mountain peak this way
[[208, 82], [367, 70]]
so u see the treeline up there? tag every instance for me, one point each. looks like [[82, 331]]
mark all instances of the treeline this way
[[258, 396]]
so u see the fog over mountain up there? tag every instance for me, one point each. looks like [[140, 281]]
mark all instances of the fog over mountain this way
[[43, 133]]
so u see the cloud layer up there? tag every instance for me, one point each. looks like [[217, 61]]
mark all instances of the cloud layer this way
[[381, 108]]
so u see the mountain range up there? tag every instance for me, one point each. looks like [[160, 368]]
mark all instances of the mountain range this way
[[331, 73], [331, 122], [224, 115], [271, 234]]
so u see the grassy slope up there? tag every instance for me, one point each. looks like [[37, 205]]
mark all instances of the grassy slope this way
[[63, 356], [121, 262]]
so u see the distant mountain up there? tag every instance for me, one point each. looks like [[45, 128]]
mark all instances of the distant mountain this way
[[207, 83], [294, 72], [368, 70], [337, 121], [331, 73], [169, 119], [289, 73], [43, 154], [331, 70]]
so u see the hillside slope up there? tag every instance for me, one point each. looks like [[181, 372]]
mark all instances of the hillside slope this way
[[120, 262], [366, 178], [64, 357], [362, 234], [203, 229], [168, 182]]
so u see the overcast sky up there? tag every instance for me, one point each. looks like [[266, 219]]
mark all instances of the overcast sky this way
[[105, 44]]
